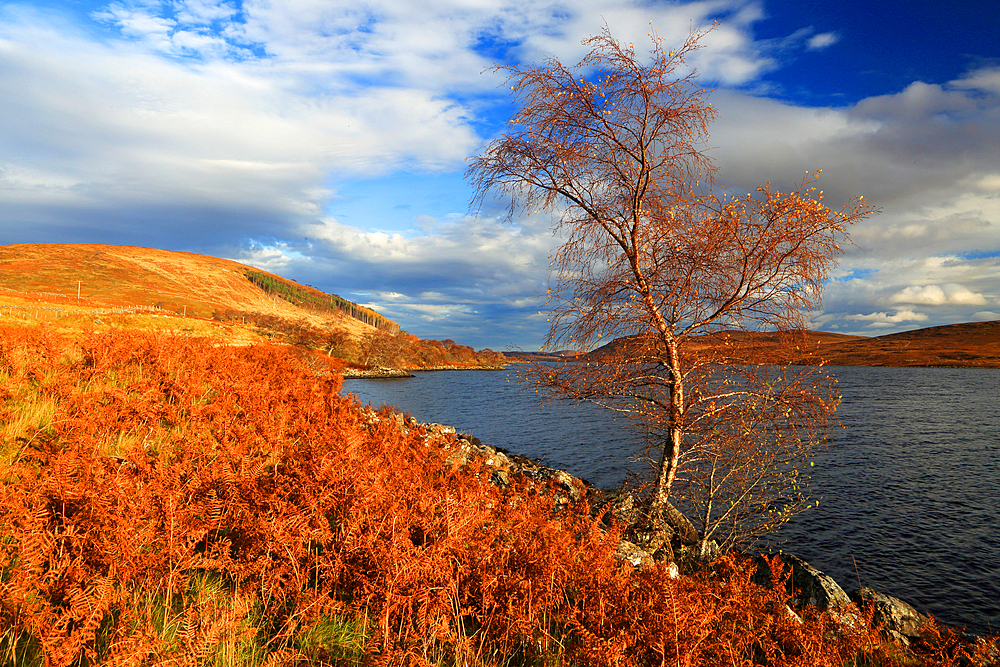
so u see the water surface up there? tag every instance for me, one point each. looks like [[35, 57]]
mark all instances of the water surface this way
[[910, 491]]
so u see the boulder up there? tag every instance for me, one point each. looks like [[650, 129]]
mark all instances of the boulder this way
[[893, 615], [633, 553], [500, 479], [572, 486], [686, 532], [700, 553], [807, 585], [617, 506], [460, 449]]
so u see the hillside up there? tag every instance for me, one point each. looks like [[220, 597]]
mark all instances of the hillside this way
[[973, 344], [165, 500], [74, 287], [73, 277]]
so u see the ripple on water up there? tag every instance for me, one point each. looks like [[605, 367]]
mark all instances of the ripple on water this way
[[909, 491]]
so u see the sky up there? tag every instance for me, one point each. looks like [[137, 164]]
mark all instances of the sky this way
[[326, 141]]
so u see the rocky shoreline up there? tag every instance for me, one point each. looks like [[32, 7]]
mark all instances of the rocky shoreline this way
[[643, 546], [386, 372], [374, 373]]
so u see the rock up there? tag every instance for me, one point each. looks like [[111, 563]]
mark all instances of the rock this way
[[699, 553], [500, 479], [657, 532], [684, 529], [375, 373], [476, 442], [618, 506], [807, 585], [440, 428], [656, 539], [460, 449], [893, 615], [498, 460], [571, 485], [634, 554], [457, 456]]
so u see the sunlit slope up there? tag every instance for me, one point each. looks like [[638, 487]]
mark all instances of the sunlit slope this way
[[94, 276], [973, 344]]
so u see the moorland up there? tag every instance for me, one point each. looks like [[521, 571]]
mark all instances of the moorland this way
[[193, 488], [967, 345], [77, 287]]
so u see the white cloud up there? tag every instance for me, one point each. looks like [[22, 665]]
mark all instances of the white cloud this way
[[985, 79], [884, 319], [935, 295], [111, 127], [169, 113], [822, 41], [989, 184], [273, 258], [926, 156]]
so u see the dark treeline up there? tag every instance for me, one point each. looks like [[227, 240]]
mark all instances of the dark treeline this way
[[314, 299]]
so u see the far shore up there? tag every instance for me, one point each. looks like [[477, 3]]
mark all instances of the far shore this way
[[384, 372]]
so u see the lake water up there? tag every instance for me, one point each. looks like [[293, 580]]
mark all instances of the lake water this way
[[910, 491]]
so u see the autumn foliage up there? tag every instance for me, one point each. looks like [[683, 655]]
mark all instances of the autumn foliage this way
[[163, 500], [650, 250]]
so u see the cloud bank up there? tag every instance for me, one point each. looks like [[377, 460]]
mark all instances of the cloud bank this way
[[327, 141]]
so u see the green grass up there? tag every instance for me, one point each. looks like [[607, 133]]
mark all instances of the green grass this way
[[334, 637]]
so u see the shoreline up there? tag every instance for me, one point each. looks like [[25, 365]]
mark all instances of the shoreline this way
[[384, 372], [899, 620]]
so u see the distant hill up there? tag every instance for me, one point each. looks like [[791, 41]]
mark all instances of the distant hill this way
[[974, 344], [560, 355], [180, 283], [79, 287]]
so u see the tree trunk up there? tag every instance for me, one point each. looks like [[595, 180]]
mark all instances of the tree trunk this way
[[675, 431]]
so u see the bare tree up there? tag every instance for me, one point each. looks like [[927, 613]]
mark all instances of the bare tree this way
[[382, 348], [656, 257]]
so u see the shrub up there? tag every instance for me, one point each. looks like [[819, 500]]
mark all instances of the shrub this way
[[194, 504]]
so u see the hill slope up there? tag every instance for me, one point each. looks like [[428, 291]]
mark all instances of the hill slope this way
[[75, 287], [103, 276], [973, 344]]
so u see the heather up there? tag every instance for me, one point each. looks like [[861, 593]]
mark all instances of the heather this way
[[166, 500]]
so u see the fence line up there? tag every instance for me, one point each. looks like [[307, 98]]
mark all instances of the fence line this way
[[23, 311]]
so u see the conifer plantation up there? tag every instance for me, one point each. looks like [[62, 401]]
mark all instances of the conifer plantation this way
[[167, 501]]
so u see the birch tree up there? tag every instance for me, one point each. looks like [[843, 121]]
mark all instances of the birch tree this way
[[679, 272]]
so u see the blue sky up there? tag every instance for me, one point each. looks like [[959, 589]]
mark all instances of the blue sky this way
[[326, 141]]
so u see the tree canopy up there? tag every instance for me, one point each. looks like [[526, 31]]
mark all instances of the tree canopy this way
[[682, 273]]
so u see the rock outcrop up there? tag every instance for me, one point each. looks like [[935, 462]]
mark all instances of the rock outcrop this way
[[634, 554], [808, 585], [377, 372], [664, 534], [897, 618], [459, 449]]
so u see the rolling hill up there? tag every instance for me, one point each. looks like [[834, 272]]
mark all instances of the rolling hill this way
[[74, 277], [973, 344], [78, 287]]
